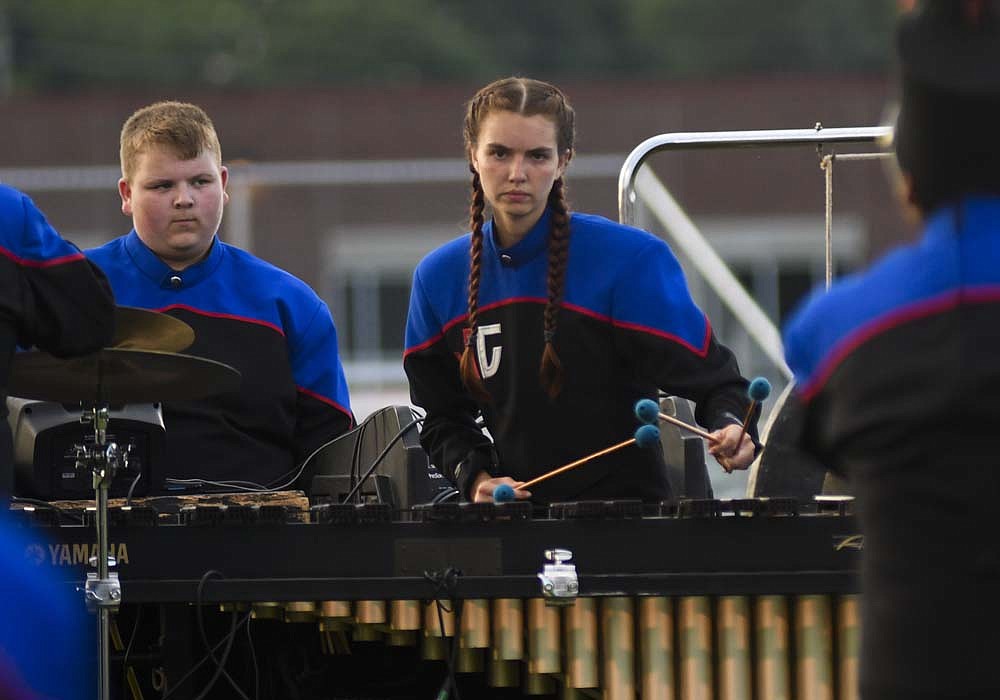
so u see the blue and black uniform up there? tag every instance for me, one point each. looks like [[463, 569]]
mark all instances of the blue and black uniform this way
[[50, 297], [627, 327], [267, 324], [898, 377]]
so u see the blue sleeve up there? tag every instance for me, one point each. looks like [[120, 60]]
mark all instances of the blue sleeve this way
[[799, 353], [655, 298], [669, 341], [54, 296], [29, 237], [422, 325], [324, 406]]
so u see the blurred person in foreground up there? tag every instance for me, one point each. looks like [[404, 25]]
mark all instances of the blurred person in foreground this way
[[899, 377], [245, 312], [551, 324], [51, 298]]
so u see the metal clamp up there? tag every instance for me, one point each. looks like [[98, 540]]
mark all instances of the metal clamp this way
[[560, 585], [102, 593]]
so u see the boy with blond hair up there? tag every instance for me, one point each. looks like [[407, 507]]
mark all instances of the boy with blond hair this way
[[245, 312]]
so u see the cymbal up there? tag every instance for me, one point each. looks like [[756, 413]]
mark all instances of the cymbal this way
[[119, 375], [142, 329]]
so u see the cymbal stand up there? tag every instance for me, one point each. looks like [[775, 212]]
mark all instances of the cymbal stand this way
[[102, 590]]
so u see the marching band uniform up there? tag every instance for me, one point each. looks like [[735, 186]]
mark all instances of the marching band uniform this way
[[266, 323], [898, 375], [627, 327]]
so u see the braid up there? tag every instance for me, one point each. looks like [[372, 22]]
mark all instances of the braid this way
[[551, 371], [528, 98], [468, 369]]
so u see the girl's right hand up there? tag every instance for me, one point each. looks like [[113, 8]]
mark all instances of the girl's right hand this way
[[484, 485]]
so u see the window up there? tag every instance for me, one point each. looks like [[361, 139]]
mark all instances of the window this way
[[368, 272]]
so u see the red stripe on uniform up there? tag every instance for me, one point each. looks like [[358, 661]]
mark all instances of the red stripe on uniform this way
[[930, 307], [701, 352], [329, 402], [231, 317], [24, 262]]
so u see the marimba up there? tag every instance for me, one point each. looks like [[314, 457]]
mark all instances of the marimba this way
[[705, 599]]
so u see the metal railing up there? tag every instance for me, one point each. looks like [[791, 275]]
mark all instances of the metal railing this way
[[640, 185], [732, 139], [685, 236]]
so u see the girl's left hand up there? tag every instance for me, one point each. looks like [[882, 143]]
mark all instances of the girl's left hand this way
[[726, 450]]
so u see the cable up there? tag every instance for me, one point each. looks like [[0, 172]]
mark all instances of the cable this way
[[445, 584], [128, 647], [253, 660], [356, 456], [301, 468], [451, 682], [128, 497], [381, 456], [196, 482], [46, 505], [444, 495], [227, 640], [224, 640], [219, 663], [235, 485], [253, 487]]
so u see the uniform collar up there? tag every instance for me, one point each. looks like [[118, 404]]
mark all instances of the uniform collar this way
[[528, 248], [970, 214], [165, 276]]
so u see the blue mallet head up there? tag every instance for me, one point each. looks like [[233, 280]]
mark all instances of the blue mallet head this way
[[647, 436], [647, 411], [503, 493], [759, 389]]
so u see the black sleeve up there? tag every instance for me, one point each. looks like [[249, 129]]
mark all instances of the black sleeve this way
[[804, 431], [670, 343], [451, 437], [323, 405], [453, 440], [317, 423], [68, 309], [713, 380]]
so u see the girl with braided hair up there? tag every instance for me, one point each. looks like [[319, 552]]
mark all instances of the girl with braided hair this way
[[551, 325]]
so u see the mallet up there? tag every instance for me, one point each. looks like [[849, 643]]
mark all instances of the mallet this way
[[645, 436]]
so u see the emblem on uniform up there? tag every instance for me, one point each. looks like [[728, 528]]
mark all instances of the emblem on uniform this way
[[488, 366]]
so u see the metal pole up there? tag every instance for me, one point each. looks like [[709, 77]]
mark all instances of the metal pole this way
[[827, 165], [238, 224], [730, 139], [102, 588], [720, 278], [103, 613]]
